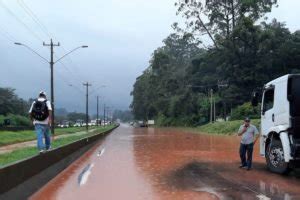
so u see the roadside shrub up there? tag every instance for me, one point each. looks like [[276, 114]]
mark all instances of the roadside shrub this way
[[229, 127], [245, 110], [162, 120], [16, 120]]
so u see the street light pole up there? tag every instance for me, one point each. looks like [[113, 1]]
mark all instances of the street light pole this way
[[51, 68], [104, 115], [52, 81], [214, 110], [97, 111], [211, 105], [87, 105]]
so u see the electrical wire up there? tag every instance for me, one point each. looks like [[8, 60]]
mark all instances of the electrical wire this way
[[35, 18], [19, 20], [69, 83], [7, 35]]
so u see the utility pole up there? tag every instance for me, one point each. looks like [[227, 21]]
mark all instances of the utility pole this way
[[107, 113], [51, 45], [52, 80], [214, 110], [104, 115], [87, 105], [97, 111], [211, 105]]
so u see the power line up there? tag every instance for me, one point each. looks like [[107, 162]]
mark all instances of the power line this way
[[43, 28], [19, 20], [6, 35], [67, 68], [69, 83], [34, 17]]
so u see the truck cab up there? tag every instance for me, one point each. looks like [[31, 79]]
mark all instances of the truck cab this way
[[280, 123]]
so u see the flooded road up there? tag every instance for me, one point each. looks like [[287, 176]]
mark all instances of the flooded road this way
[[148, 163]]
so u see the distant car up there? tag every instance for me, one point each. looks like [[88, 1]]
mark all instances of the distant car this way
[[63, 125], [142, 124], [77, 125]]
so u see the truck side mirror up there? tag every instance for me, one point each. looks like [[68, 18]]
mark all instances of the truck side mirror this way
[[254, 100]]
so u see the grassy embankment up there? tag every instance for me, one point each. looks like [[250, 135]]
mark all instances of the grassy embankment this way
[[27, 152], [12, 137], [224, 128]]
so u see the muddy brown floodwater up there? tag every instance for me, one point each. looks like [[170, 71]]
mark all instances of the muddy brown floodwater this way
[[152, 163]]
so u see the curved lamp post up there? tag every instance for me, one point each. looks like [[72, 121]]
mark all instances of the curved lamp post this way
[[51, 62]]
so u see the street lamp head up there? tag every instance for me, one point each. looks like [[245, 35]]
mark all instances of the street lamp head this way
[[84, 46], [18, 43]]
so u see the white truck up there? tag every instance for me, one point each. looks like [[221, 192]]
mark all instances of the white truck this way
[[280, 123]]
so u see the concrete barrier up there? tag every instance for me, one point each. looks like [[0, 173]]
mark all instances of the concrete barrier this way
[[23, 178]]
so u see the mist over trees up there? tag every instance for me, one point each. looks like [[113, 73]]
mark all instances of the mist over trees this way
[[245, 54], [124, 116]]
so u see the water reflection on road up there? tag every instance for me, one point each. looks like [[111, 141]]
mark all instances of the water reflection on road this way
[[151, 163]]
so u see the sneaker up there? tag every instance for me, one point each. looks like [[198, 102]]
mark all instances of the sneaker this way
[[49, 149], [42, 151], [248, 168], [242, 166]]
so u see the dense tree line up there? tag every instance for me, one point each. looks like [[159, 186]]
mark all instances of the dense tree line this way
[[16, 109], [10, 103], [175, 88]]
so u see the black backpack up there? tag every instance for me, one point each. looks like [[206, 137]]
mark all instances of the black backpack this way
[[40, 110]]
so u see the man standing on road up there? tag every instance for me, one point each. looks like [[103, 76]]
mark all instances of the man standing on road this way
[[40, 114], [249, 135]]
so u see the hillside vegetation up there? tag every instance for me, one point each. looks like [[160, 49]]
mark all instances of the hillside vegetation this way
[[245, 53], [228, 128]]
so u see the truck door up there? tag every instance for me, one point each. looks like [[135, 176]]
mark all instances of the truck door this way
[[267, 113]]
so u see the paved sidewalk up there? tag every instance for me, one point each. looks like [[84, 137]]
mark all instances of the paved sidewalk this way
[[32, 143]]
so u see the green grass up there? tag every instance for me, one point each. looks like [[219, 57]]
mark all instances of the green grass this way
[[27, 152], [225, 128], [11, 137]]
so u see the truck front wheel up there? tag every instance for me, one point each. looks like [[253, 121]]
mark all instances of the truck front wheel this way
[[275, 158]]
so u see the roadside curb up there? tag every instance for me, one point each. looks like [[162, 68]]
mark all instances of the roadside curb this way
[[21, 179]]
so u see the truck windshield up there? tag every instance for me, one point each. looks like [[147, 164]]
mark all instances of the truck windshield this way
[[294, 95]]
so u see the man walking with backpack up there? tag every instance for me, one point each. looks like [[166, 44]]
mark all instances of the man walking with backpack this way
[[40, 114]]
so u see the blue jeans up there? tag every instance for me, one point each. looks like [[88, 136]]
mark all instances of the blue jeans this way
[[42, 131], [246, 149]]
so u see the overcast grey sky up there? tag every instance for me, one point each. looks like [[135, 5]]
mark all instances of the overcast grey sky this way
[[121, 36]]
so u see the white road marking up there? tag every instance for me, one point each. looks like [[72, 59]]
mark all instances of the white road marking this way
[[263, 197], [100, 153], [209, 190], [84, 175]]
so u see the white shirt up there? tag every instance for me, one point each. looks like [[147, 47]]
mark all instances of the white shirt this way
[[249, 136], [46, 121]]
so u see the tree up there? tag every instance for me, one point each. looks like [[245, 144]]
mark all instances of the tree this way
[[74, 116], [124, 116], [174, 89], [10, 103], [220, 17]]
